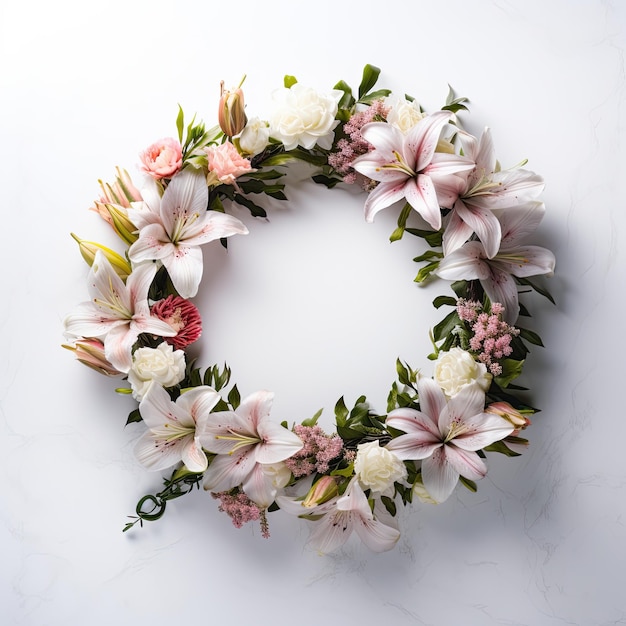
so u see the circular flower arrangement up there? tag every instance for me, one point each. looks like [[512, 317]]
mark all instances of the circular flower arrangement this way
[[473, 220]]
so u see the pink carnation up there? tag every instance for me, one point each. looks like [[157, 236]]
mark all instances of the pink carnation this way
[[226, 164], [182, 316], [162, 159]]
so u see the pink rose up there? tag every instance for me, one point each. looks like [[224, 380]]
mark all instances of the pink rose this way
[[226, 164], [162, 159]]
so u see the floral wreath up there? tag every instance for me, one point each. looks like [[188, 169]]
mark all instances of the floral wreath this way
[[474, 218]]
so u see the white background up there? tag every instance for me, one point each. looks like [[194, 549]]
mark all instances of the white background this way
[[314, 304]]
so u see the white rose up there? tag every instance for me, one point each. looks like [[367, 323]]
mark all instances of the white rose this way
[[304, 117], [457, 369], [162, 365], [378, 468], [254, 137], [404, 114]]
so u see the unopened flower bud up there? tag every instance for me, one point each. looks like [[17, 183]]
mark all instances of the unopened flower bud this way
[[321, 491], [505, 410], [88, 251], [90, 352], [231, 115]]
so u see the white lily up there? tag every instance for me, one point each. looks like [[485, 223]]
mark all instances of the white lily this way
[[445, 435], [471, 261], [408, 167], [486, 191], [172, 428], [173, 227], [245, 441], [340, 517], [116, 312]]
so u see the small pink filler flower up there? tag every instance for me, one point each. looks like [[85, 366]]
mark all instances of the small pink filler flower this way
[[162, 159], [182, 316]]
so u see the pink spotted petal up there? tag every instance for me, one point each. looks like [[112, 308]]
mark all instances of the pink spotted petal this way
[[482, 222], [185, 268], [277, 443], [466, 463], [228, 471], [439, 476], [193, 456], [421, 195], [382, 196]]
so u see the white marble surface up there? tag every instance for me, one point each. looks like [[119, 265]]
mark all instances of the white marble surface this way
[[313, 306]]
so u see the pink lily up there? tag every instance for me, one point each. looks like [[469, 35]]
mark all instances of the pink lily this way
[[173, 227], [471, 261], [245, 440], [172, 436], [341, 516], [486, 191], [445, 435], [116, 312], [408, 167]]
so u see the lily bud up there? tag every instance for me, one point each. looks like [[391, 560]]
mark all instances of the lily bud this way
[[505, 410], [120, 223], [90, 352], [231, 115], [88, 251], [322, 491]]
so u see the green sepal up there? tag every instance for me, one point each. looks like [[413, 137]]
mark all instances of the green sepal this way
[[289, 81]]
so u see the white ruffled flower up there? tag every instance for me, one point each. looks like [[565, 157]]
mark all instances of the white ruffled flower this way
[[254, 137], [304, 117], [162, 365], [457, 369], [403, 114], [378, 468]]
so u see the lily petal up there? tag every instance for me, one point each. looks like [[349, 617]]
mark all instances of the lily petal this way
[[439, 476]]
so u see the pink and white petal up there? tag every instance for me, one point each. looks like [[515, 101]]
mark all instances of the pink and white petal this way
[[255, 408], [104, 284], [482, 222], [501, 287], [198, 402], [483, 430], [439, 476], [421, 141], [527, 261], [516, 186], [385, 138], [118, 347], [89, 320], [414, 446], [378, 537], [421, 195], [277, 443], [470, 401], [456, 232], [211, 226], [467, 463], [227, 472], [331, 532], [157, 409], [382, 196], [155, 454], [186, 194], [185, 268], [411, 421], [151, 325], [221, 431], [193, 456], [465, 263], [485, 156], [432, 400], [519, 222], [258, 487], [153, 244]]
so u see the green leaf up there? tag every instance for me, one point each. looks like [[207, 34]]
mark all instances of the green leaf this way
[[341, 411], [433, 238], [428, 255], [511, 369], [470, 484], [440, 301], [426, 271], [370, 77], [402, 218], [133, 417], [180, 123], [390, 505], [540, 290], [289, 81], [234, 397], [445, 326], [347, 100], [530, 336], [500, 446], [453, 103], [375, 95], [311, 421]]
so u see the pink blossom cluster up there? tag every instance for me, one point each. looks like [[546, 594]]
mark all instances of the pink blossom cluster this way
[[492, 336], [318, 451], [182, 316], [352, 146], [241, 509]]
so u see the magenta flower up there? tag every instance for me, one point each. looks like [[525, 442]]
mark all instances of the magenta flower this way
[[445, 435], [408, 167], [182, 316]]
